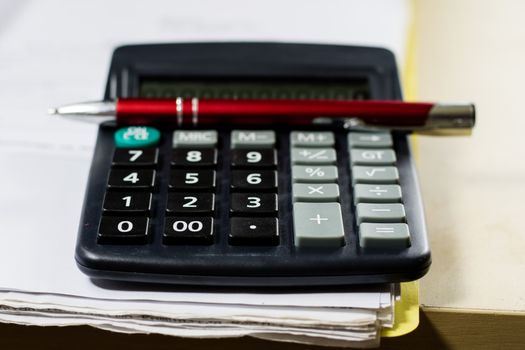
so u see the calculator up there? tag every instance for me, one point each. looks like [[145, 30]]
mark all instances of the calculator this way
[[259, 205]]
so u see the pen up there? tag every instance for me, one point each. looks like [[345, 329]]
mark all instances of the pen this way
[[416, 116]]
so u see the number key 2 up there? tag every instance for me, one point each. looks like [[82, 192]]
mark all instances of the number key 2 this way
[[190, 203]]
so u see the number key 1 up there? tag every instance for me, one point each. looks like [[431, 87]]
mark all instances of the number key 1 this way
[[129, 203]]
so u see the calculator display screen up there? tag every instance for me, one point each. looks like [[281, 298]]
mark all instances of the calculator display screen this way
[[355, 89]]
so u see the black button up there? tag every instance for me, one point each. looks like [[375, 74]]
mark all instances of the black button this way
[[253, 231], [258, 203], [123, 230], [187, 230], [127, 203], [135, 157], [133, 178], [190, 202], [192, 179], [254, 158], [254, 180], [202, 157]]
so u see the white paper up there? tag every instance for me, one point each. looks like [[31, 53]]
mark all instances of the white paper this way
[[54, 52]]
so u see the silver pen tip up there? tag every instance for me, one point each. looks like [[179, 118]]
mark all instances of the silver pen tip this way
[[52, 111]]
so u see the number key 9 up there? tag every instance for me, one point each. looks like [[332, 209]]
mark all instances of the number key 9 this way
[[254, 158]]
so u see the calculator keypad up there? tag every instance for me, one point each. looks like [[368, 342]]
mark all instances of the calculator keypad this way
[[190, 210]]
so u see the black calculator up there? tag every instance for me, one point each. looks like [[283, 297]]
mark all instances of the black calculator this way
[[252, 205]]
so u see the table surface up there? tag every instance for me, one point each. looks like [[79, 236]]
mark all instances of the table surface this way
[[473, 188]]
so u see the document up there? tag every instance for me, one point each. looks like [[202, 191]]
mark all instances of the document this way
[[55, 52]]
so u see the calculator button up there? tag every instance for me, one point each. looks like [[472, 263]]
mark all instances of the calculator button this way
[[256, 203], [130, 203], [375, 175], [314, 173], [135, 157], [192, 179], [254, 158], [370, 139], [253, 231], [137, 179], [136, 137], [384, 236], [195, 138], [188, 230], [190, 203], [372, 156], [194, 157], [313, 156], [312, 139], [254, 180], [376, 213], [318, 225], [124, 230], [377, 193], [252, 139], [315, 193]]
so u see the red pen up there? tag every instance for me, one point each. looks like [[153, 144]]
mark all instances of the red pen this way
[[415, 116]]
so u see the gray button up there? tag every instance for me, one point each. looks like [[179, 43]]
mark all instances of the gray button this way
[[253, 138], [315, 193], [318, 225], [367, 156], [366, 212], [313, 156], [314, 173], [312, 138], [370, 140], [194, 138], [384, 236], [375, 175], [377, 193]]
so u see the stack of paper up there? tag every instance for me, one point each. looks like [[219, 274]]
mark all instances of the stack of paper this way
[[344, 317], [54, 52]]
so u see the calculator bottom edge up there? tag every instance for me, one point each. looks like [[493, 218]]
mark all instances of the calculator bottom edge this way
[[257, 281]]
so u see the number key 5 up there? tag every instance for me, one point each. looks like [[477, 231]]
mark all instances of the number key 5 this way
[[192, 179]]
